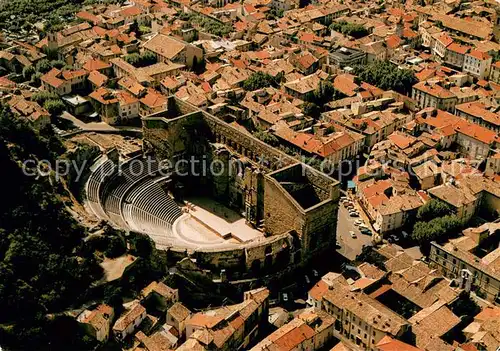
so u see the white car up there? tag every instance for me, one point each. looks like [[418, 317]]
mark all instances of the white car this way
[[352, 234], [358, 222]]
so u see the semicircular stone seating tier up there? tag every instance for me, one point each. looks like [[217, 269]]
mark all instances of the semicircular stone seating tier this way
[[131, 196]]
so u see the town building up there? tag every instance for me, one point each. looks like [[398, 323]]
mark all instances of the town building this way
[[433, 94], [362, 319], [167, 48], [129, 321], [477, 63], [229, 327], [310, 330], [97, 322]]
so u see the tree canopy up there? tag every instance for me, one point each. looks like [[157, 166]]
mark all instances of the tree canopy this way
[[259, 80], [438, 229], [352, 29], [41, 269], [22, 14], [267, 137], [141, 60], [386, 76], [208, 25], [433, 209]]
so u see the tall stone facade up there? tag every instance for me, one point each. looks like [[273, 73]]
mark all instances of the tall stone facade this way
[[275, 192]]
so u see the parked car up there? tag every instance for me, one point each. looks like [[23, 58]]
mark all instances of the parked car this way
[[352, 234], [366, 231], [353, 214], [315, 273], [358, 222], [308, 281]]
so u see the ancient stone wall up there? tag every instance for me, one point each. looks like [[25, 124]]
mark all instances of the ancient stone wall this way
[[281, 212], [266, 254], [320, 227], [183, 130]]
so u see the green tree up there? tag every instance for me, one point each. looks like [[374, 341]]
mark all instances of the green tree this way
[[438, 229], [35, 79], [352, 29], [54, 107], [28, 72], [258, 80], [116, 247], [433, 209], [43, 66], [267, 137], [141, 60], [325, 92], [386, 76], [57, 64], [369, 255], [42, 96], [133, 59], [311, 109], [41, 268]]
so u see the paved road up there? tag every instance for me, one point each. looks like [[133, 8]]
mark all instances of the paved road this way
[[349, 247]]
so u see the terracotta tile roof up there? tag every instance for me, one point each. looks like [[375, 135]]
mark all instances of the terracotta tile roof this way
[[6, 83], [131, 11], [367, 309], [318, 290], [401, 140], [445, 39], [52, 79], [129, 317], [476, 132], [480, 55], [97, 78], [459, 49], [95, 65], [157, 287], [479, 110], [153, 99], [87, 16], [393, 41], [345, 84], [425, 74], [165, 46], [389, 344], [179, 311], [434, 89], [68, 75], [431, 323]]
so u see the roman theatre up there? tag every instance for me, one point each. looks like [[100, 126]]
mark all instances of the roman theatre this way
[[254, 208]]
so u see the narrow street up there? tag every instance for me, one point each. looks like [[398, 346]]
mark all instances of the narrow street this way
[[350, 247]]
